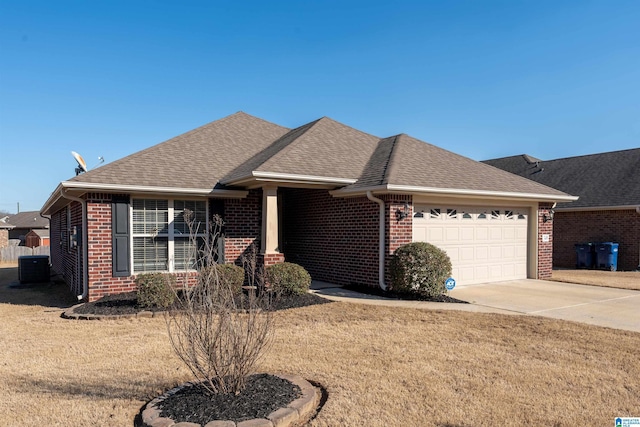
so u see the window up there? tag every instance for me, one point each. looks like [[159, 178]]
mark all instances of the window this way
[[435, 213], [161, 234]]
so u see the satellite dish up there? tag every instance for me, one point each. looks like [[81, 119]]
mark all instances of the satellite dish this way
[[82, 165]]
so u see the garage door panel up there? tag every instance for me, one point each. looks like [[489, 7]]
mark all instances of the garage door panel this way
[[482, 233], [467, 254], [484, 243], [495, 232], [452, 234], [482, 252]]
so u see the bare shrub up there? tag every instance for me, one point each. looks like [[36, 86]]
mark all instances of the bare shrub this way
[[219, 334]]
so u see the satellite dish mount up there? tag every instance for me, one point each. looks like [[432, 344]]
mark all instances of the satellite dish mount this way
[[82, 165]]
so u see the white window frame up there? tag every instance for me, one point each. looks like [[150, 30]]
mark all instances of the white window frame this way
[[170, 235]]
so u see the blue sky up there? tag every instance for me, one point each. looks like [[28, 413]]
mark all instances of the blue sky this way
[[484, 79]]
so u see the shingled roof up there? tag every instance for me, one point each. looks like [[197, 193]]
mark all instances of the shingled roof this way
[[602, 180], [27, 219], [240, 150]]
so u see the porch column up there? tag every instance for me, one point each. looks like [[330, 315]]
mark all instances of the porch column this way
[[269, 249]]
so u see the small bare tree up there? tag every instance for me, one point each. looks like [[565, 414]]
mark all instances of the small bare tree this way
[[219, 333]]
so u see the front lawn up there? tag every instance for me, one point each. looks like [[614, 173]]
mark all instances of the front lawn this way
[[381, 366]]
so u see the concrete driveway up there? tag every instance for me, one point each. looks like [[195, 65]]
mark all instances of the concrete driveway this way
[[614, 308]]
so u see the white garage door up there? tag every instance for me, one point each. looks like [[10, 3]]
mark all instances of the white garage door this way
[[484, 244]]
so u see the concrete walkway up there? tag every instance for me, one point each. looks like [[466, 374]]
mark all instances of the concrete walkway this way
[[614, 308]]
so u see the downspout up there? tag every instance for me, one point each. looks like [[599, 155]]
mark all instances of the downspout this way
[[381, 257], [85, 244]]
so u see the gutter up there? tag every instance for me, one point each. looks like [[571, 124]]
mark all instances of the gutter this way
[[85, 243], [408, 189], [381, 282]]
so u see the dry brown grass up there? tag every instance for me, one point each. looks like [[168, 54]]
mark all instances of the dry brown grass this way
[[381, 366], [611, 279]]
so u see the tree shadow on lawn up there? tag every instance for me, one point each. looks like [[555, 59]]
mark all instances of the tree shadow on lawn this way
[[47, 294], [131, 389]]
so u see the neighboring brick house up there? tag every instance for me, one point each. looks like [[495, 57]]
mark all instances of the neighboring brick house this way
[[334, 199], [608, 208], [4, 233]]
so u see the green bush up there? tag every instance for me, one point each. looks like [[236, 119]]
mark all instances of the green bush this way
[[156, 290], [420, 268], [288, 279], [229, 275]]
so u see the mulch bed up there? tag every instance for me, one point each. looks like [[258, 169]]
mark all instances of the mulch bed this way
[[127, 303], [263, 394], [402, 295]]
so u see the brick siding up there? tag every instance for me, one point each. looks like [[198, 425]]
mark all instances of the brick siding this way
[[243, 226], [66, 260], [618, 226], [4, 237], [545, 249], [336, 239]]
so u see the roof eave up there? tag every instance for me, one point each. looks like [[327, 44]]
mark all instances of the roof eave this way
[[78, 188], [598, 208], [408, 189], [258, 178]]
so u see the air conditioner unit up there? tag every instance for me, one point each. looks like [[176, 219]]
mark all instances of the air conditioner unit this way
[[33, 268]]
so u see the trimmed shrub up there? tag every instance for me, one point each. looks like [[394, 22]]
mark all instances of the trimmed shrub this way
[[288, 278], [156, 290], [229, 275], [420, 268]]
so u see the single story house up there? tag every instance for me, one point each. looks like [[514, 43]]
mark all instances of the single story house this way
[[332, 198], [608, 209], [24, 222]]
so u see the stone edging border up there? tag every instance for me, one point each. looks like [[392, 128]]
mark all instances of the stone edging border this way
[[296, 413], [71, 314]]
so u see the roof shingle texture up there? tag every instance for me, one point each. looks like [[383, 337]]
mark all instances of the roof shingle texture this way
[[196, 159], [416, 163], [28, 219], [601, 180], [234, 148]]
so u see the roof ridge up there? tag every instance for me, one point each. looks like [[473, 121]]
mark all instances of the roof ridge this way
[[390, 164], [277, 146]]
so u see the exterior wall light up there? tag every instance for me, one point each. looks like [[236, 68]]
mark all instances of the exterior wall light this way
[[403, 213]]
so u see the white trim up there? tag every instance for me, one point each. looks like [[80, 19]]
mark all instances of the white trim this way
[[151, 189], [390, 188], [598, 208], [289, 177], [140, 189]]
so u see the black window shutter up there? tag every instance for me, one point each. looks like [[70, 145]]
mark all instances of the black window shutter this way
[[120, 241]]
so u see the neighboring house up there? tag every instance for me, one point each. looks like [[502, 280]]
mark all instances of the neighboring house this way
[[608, 209], [334, 199], [4, 233], [36, 238], [24, 222]]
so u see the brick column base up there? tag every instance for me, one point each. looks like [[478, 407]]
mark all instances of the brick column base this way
[[269, 259]]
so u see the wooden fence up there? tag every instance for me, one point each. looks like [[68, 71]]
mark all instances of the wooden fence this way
[[11, 253]]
